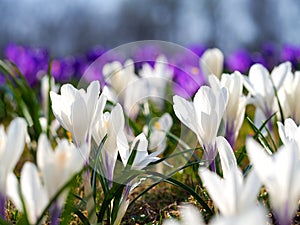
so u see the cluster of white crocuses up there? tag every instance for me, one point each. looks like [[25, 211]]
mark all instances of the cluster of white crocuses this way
[[215, 116], [233, 195], [151, 84], [39, 183], [83, 115], [236, 196]]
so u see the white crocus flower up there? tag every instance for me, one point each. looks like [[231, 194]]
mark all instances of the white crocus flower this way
[[288, 96], [60, 165], [280, 174], [111, 124], [119, 77], [211, 62], [190, 215], [142, 158], [203, 116], [232, 194], [11, 147], [124, 86], [289, 132], [158, 131], [156, 79], [236, 105], [255, 215], [33, 192], [260, 85], [76, 109]]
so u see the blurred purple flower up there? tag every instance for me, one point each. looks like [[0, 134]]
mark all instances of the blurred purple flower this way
[[146, 54], [32, 62], [291, 53], [197, 49], [63, 69], [270, 54], [2, 79], [188, 77], [91, 69], [95, 53], [239, 60]]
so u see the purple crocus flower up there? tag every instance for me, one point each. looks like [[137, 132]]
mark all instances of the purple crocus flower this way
[[63, 69], [146, 54], [270, 54], [32, 62], [95, 53], [197, 49], [239, 60], [188, 77], [291, 53]]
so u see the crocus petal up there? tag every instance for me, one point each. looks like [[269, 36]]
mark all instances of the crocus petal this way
[[227, 157], [215, 187], [211, 62], [13, 190], [257, 154], [253, 216], [91, 98], [185, 112], [80, 121], [16, 135], [190, 215], [279, 174], [279, 73], [34, 194]]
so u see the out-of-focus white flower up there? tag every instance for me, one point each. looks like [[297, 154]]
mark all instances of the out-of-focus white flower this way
[[255, 215], [211, 62], [111, 124], [289, 132], [119, 77], [280, 174], [47, 86], [288, 96], [156, 79], [11, 148], [158, 130], [189, 214], [33, 192], [236, 105], [59, 166], [232, 194], [76, 109], [203, 116], [124, 86], [260, 85]]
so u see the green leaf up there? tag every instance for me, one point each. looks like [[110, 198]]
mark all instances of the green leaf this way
[[259, 136], [81, 216], [98, 165], [132, 155]]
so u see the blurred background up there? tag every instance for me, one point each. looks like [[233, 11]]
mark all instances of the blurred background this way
[[72, 27]]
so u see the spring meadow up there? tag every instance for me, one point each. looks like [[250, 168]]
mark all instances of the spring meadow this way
[[152, 130]]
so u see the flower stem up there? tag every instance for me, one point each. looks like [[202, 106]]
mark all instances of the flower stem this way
[[55, 214], [2, 206], [213, 166]]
